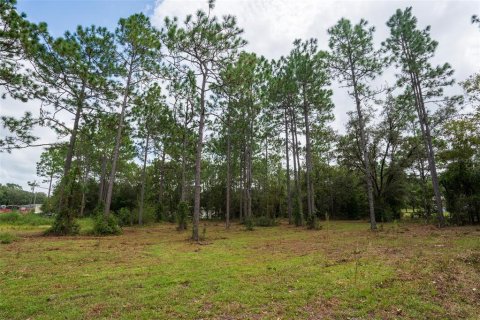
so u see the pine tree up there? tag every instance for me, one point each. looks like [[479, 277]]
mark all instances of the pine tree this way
[[202, 46], [411, 50], [355, 62], [138, 56], [75, 69]]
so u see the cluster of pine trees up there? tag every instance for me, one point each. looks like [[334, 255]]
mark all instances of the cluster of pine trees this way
[[164, 124]]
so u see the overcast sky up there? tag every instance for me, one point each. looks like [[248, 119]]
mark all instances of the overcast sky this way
[[270, 27]]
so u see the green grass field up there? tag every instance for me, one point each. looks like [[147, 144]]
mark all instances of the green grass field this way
[[344, 271]]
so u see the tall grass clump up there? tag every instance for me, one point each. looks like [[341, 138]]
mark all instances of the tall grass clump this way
[[17, 219]]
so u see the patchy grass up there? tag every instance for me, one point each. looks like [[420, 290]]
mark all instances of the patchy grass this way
[[343, 271], [27, 219], [6, 238]]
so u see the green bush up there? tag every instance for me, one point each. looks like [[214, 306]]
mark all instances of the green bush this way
[[124, 216], [297, 215], [149, 214], [313, 223], [249, 224], [182, 215], [15, 218], [265, 221], [48, 205], [6, 238], [106, 225], [10, 218], [159, 212], [64, 225]]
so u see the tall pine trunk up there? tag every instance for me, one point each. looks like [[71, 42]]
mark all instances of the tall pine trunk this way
[[229, 178], [85, 179], [425, 127], [144, 179], [66, 179], [162, 177], [296, 171], [242, 184], [183, 186], [308, 159], [198, 161], [118, 141], [102, 180], [363, 141], [287, 157], [50, 184]]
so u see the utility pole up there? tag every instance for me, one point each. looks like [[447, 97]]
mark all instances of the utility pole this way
[[33, 184]]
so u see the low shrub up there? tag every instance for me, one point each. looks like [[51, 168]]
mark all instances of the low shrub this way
[[182, 215], [15, 218], [106, 225], [7, 238], [313, 223], [298, 216], [149, 214], [125, 217], [249, 224], [265, 221], [63, 225], [160, 212]]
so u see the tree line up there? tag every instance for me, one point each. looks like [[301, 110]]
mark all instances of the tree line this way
[[12, 194], [181, 121]]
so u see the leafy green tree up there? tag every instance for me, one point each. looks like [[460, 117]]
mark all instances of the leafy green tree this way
[[76, 70], [50, 165], [13, 194]]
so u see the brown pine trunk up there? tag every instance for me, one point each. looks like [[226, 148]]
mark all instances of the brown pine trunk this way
[[162, 177], [50, 185], [296, 167], [363, 141], [287, 156], [85, 179], [308, 160], [242, 184], [430, 155], [229, 182], [297, 146], [425, 127], [65, 182], [250, 167], [184, 159], [73, 139], [184, 179], [198, 161], [102, 179], [144, 178], [118, 141]]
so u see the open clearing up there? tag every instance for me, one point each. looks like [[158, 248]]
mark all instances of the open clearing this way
[[405, 271]]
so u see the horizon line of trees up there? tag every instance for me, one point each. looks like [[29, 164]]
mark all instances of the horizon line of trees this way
[[14, 194], [181, 121]]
